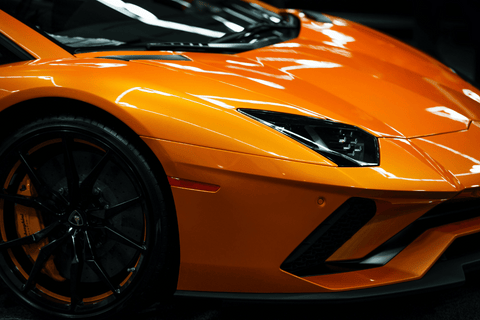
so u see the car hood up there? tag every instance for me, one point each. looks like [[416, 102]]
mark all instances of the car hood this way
[[347, 73]]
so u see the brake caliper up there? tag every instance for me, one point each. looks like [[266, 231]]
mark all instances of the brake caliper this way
[[28, 221]]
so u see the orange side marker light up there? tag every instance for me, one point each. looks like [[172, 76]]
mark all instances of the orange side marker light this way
[[192, 185]]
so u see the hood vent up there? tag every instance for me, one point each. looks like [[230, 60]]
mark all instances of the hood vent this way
[[168, 57]]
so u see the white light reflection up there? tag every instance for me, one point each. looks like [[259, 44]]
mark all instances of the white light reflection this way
[[312, 64], [230, 25], [244, 63], [334, 50], [450, 96], [389, 175], [216, 101], [472, 95], [172, 118], [133, 11], [475, 169], [242, 101], [125, 104], [451, 150], [448, 113], [183, 3], [78, 42], [8, 91], [91, 65], [275, 19], [338, 39], [276, 76], [340, 22], [318, 26], [287, 45], [196, 69], [48, 78], [267, 83], [277, 59], [239, 15]]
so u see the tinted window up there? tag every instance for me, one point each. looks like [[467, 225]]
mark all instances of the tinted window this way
[[10, 52], [96, 23]]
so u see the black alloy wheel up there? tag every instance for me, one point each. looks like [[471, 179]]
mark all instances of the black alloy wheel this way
[[83, 220]]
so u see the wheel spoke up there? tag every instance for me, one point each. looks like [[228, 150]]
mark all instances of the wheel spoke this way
[[119, 208], [92, 263], [33, 238], [117, 236], [89, 181], [43, 256], [71, 169], [25, 201], [76, 201], [40, 186], [75, 273], [36, 181]]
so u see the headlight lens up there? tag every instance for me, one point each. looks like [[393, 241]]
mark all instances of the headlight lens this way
[[345, 145]]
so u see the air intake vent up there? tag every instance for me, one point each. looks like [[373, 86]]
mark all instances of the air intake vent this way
[[309, 257]]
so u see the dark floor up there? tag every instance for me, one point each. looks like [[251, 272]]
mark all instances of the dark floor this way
[[457, 303]]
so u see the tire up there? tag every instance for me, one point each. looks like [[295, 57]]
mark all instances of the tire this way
[[83, 221]]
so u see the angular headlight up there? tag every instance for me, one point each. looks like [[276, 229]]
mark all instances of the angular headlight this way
[[345, 145]]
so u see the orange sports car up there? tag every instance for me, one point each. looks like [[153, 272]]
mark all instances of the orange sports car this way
[[226, 149]]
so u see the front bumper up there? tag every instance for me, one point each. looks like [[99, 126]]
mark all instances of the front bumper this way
[[234, 241], [444, 274]]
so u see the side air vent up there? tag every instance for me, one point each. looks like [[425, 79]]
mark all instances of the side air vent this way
[[168, 57], [309, 257]]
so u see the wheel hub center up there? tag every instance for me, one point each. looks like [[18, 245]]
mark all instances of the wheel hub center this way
[[76, 219]]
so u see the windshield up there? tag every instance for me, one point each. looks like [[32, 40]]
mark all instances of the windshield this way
[[93, 24]]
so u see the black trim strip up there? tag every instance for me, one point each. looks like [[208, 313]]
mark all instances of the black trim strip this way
[[169, 57], [15, 49]]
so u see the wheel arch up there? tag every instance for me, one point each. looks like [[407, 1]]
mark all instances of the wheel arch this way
[[26, 111]]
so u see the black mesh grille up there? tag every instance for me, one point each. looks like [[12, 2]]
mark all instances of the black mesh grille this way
[[338, 228]]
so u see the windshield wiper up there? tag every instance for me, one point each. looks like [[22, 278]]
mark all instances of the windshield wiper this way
[[184, 46], [201, 47], [254, 30], [230, 43]]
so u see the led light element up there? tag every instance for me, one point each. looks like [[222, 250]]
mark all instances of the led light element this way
[[345, 145]]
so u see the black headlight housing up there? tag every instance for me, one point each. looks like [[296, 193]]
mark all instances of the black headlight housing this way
[[345, 145]]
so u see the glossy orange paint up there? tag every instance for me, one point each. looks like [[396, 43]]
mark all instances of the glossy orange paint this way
[[29, 39], [234, 240], [454, 151], [263, 236]]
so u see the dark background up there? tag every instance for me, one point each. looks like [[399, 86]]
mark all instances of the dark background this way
[[447, 30]]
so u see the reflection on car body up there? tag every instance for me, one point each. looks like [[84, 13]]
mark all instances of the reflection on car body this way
[[225, 149]]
